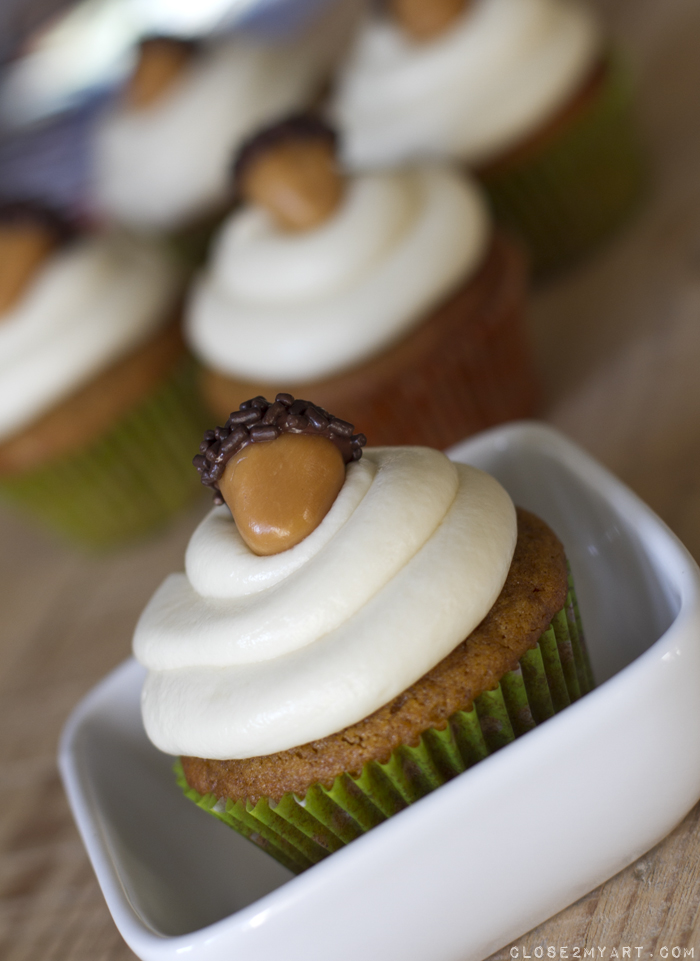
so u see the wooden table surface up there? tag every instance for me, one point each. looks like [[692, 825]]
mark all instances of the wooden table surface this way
[[617, 342]]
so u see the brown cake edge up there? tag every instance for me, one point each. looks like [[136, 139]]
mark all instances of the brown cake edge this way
[[535, 589]]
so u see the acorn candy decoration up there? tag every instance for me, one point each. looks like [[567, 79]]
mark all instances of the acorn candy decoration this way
[[291, 170], [425, 20], [279, 467], [29, 234], [161, 61]]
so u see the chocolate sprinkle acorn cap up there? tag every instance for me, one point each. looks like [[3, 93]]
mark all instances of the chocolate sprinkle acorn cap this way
[[292, 129], [259, 420]]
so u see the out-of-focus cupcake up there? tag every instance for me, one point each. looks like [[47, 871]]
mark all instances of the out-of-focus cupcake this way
[[527, 93], [163, 150], [347, 639], [91, 362], [386, 294]]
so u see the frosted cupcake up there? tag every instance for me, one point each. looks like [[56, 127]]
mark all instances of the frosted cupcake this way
[[163, 151], [524, 92], [357, 629], [386, 294], [91, 359]]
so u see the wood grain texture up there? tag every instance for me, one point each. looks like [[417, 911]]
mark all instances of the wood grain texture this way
[[67, 619], [617, 342]]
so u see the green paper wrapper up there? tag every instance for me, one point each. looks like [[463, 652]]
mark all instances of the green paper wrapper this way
[[129, 480], [300, 832], [567, 195]]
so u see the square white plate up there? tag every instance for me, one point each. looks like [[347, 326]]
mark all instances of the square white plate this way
[[486, 857]]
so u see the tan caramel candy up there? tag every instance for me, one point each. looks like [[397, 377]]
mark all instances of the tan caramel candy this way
[[298, 182], [161, 61], [23, 249], [279, 491], [427, 19]]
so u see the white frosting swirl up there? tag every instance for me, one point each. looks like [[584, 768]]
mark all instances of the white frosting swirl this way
[[157, 166], [304, 306], [90, 304], [471, 93], [251, 655]]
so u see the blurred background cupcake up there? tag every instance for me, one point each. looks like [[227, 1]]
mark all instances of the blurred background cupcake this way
[[527, 93], [384, 294], [128, 111], [91, 363], [163, 148]]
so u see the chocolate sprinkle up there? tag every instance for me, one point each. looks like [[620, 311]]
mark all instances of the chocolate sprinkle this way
[[257, 420], [302, 126]]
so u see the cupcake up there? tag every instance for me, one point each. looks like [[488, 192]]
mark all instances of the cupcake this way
[[526, 93], [91, 361], [386, 294], [162, 151], [353, 630]]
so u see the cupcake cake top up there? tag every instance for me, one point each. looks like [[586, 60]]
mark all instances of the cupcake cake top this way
[[435, 78], [70, 305], [252, 653], [332, 268], [162, 152]]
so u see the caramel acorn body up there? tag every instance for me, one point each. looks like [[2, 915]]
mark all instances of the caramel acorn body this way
[[298, 183], [426, 19], [162, 60], [280, 491]]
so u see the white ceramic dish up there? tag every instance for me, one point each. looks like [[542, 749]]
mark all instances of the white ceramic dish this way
[[483, 859]]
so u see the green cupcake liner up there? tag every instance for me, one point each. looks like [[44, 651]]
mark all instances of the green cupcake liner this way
[[568, 195], [299, 832], [133, 478]]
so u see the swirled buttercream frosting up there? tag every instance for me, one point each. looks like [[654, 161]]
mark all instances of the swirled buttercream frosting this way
[[91, 303], [248, 655], [503, 68], [160, 165], [283, 306]]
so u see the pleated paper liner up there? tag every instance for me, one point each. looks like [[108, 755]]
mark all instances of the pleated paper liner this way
[[129, 480], [300, 832], [572, 190]]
